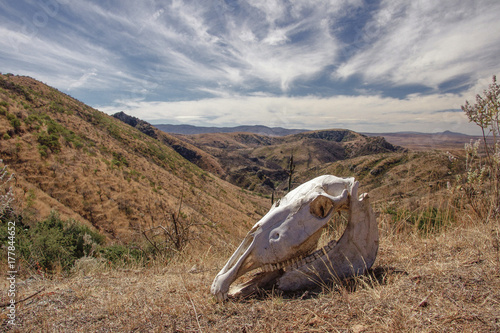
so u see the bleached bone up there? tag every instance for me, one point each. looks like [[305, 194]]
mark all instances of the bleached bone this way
[[283, 241]]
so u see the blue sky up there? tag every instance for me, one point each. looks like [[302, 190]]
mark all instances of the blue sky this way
[[370, 66]]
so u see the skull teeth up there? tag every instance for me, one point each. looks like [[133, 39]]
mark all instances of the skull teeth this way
[[300, 261], [267, 268]]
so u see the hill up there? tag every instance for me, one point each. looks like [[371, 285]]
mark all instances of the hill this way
[[189, 152], [94, 168], [260, 162]]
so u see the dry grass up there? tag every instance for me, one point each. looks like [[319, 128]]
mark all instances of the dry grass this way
[[438, 283]]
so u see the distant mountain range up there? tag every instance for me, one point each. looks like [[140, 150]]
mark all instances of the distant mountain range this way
[[256, 129], [271, 131], [414, 140]]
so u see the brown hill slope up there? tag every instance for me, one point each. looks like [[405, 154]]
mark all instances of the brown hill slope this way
[[397, 179], [186, 150], [72, 158], [260, 163]]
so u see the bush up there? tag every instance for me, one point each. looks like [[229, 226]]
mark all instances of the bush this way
[[119, 160], [120, 254], [86, 241], [51, 245], [481, 181], [48, 141], [52, 242], [14, 122]]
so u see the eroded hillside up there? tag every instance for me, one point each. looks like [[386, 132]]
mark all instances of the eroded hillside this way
[[261, 163], [69, 157]]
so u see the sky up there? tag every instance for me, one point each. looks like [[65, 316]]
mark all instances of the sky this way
[[369, 66]]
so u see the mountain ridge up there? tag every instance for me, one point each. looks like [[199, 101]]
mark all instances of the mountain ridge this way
[[257, 129], [186, 129], [186, 150]]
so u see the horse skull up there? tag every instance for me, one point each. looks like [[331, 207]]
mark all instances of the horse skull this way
[[283, 241]]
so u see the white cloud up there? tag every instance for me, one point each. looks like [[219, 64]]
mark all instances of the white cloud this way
[[83, 79], [238, 49], [361, 113], [242, 53], [428, 43]]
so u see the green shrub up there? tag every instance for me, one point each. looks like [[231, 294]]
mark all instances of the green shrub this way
[[120, 254], [50, 245], [14, 122], [85, 240], [119, 160], [56, 107], [52, 242], [48, 141]]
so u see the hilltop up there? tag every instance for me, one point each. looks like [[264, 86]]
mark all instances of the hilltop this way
[[186, 150], [94, 168]]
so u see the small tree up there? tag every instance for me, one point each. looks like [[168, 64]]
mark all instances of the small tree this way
[[291, 169], [481, 182]]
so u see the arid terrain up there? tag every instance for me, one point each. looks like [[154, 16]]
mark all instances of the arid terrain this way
[[178, 206], [428, 141]]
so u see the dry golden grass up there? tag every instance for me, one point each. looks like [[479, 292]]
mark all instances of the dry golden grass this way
[[442, 282]]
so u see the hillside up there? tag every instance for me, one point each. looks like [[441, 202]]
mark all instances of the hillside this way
[[186, 150], [89, 166], [401, 179], [260, 162]]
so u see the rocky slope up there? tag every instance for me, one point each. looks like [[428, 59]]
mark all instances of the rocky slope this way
[[186, 150]]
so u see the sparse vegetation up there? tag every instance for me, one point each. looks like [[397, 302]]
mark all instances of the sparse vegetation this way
[[481, 183]]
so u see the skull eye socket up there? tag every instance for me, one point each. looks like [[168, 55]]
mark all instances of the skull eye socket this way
[[321, 207]]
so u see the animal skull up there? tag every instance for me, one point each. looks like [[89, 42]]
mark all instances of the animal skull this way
[[283, 241]]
